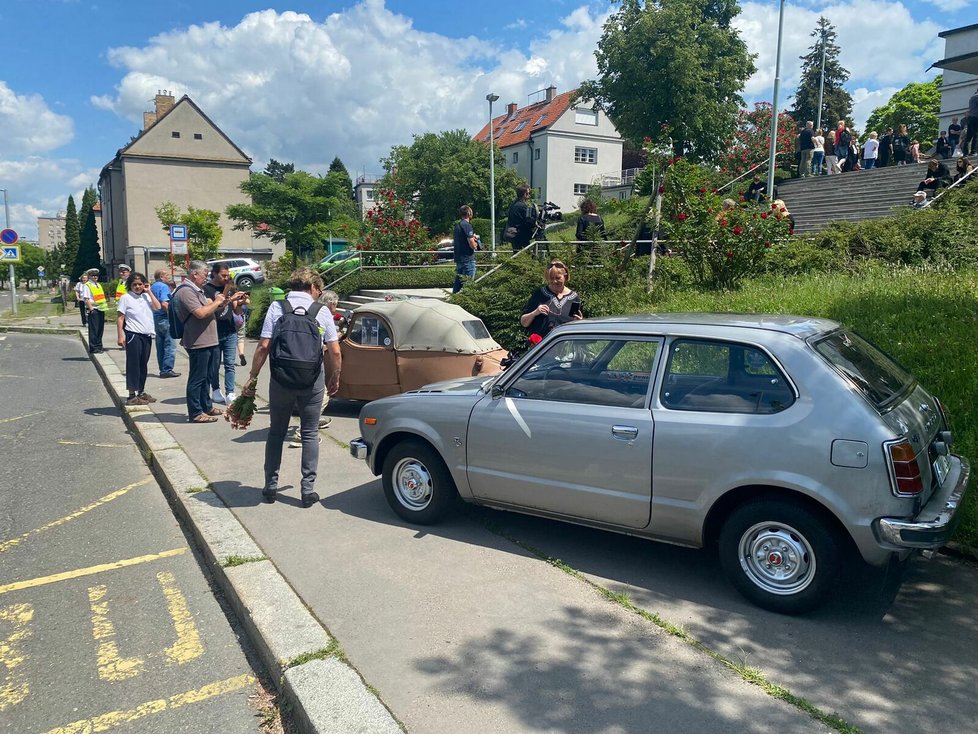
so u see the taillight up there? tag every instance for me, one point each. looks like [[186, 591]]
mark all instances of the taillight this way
[[906, 470]]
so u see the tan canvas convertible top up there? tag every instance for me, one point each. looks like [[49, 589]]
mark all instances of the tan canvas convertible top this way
[[427, 324]]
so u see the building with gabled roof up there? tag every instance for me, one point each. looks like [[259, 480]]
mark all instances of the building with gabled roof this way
[[560, 147], [180, 156]]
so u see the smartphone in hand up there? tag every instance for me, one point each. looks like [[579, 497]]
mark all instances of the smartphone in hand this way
[[575, 308]]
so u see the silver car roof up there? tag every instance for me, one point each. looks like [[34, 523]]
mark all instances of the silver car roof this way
[[713, 323]]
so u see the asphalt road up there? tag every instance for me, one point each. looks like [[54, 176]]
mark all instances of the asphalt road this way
[[106, 618]]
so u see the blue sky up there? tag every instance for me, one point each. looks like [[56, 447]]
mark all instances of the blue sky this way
[[306, 81]]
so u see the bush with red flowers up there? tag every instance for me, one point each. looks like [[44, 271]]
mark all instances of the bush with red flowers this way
[[390, 227], [721, 245]]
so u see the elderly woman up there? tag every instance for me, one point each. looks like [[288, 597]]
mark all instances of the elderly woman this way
[[552, 304]]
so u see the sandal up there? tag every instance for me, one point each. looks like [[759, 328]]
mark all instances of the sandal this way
[[214, 411], [203, 418]]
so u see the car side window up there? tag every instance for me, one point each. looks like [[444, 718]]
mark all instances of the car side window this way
[[612, 372], [369, 331], [723, 377]]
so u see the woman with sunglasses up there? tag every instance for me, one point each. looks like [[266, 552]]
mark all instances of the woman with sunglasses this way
[[136, 328], [552, 304]]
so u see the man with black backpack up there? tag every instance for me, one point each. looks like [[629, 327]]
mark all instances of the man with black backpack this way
[[298, 337]]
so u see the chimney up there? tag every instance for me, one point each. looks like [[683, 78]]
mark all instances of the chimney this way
[[551, 93], [149, 119], [164, 103], [511, 109]]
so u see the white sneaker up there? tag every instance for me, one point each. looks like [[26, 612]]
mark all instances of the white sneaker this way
[[230, 398], [217, 396]]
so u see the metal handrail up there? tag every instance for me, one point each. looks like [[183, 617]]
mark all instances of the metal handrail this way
[[961, 180], [748, 172]]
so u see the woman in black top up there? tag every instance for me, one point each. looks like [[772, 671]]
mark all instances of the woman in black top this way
[[589, 218], [553, 304]]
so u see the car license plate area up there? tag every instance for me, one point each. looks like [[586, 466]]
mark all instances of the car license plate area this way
[[942, 465]]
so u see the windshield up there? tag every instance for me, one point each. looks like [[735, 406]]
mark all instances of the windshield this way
[[875, 374]]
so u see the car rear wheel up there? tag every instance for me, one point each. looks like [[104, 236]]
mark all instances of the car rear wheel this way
[[782, 557], [417, 484], [245, 281]]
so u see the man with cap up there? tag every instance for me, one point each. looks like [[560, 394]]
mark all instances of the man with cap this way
[[96, 306], [120, 286]]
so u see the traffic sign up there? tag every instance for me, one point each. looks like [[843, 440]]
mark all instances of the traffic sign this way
[[10, 253], [178, 232], [40, 271], [8, 237]]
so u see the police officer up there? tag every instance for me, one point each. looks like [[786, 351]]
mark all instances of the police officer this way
[[120, 287], [96, 306]]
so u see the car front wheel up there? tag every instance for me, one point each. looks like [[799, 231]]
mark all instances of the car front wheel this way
[[417, 484], [245, 281], [782, 557]]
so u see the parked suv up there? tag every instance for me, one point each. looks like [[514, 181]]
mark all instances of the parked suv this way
[[244, 271]]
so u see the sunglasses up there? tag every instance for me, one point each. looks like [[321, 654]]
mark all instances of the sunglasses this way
[[556, 264]]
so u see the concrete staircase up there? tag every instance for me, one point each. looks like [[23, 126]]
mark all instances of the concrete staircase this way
[[818, 200], [368, 295]]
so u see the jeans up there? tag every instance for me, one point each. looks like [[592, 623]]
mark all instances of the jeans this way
[[869, 163], [166, 349], [466, 268], [198, 380], [817, 161], [228, 354], [309, 404]]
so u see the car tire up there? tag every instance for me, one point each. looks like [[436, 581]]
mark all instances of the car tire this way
[[245, 281], [782, 557], [417, 484]]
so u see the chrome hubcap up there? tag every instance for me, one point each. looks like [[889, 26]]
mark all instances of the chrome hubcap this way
[[412, 484], [777, 558]]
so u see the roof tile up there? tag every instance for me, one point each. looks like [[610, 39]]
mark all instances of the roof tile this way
[[528, 120]]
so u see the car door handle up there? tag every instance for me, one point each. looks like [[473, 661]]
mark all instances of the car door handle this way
[[624, 433]]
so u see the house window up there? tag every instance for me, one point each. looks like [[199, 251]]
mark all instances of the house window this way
[[516, 157], [520, 126], [585, 117], [370, 194], [536, 154], [198, 136], [499, 132], [539, 119], [585, 155], [580, 189], [174, 134]]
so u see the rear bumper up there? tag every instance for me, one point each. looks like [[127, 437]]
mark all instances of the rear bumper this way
[[935, 523]]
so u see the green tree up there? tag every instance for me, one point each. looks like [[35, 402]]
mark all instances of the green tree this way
[[439, 173], [674, 63], [72, 235], [204, 231], [88, 255], [338, 168], [300, 210], [31, 258], [277, 170], [916, 106], [836, 101]]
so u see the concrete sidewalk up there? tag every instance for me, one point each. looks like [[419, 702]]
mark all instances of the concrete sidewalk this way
[[454, 628]]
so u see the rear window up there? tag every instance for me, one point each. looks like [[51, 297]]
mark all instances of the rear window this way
[[875, 374], [476, 329]]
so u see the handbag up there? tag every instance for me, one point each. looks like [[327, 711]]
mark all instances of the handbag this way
[[509, 234]]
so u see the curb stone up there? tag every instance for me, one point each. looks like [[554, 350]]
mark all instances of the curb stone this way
[[327, 696]]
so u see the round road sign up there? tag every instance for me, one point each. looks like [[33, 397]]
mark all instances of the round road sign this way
[[8, 237]]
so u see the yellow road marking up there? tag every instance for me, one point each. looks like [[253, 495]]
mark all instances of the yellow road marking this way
[[188, 645], [13, 688], [67, 518], [104, 722], [90, 571], [20, 417], [111, 665], [96, 445]]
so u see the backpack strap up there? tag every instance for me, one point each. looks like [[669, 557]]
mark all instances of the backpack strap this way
[[286, 306]]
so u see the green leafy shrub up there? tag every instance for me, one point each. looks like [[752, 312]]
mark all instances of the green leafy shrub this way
[[440, 276]]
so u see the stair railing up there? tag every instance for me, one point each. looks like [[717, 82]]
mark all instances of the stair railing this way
[[960, 181], [746, 173]]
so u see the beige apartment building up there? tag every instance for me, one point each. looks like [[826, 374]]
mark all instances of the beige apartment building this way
[[183, 157], [51, 231]]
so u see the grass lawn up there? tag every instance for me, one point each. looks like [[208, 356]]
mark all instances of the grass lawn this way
[[41, 307], [926, 318]]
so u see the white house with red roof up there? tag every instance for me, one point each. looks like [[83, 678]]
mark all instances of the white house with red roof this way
[[559, 147]]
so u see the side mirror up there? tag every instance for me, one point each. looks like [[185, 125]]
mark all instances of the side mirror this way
[[497, 392]]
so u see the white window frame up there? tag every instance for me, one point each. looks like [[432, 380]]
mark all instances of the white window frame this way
[[580, 189], [584, 116], [588, 156]]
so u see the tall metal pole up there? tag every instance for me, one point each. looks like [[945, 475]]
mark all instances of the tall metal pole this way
[[490, 98], [772, 153], [821, 87], [6, 225]]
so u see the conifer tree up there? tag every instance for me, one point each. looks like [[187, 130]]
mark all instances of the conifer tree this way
[[88, 249], [836, 101], [72, 234], [339, 169]]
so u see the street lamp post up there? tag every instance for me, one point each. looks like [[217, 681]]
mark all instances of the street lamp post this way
[[821, 86], [774, 109], [490, 98]]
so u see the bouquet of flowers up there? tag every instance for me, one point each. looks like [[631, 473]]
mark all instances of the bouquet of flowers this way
[[240, 412]]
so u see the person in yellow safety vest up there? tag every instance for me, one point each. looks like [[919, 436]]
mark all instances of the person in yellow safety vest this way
[[96, 306], [120, 287]]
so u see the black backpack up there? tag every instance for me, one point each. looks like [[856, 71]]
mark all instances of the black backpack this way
[[296, 348]]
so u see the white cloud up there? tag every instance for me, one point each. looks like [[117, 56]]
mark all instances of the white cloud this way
[[865, 101], [285, 86], [949, 6], [28, 126], [40, 187]]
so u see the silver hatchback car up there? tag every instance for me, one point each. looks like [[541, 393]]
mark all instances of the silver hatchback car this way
[[788, 441]]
